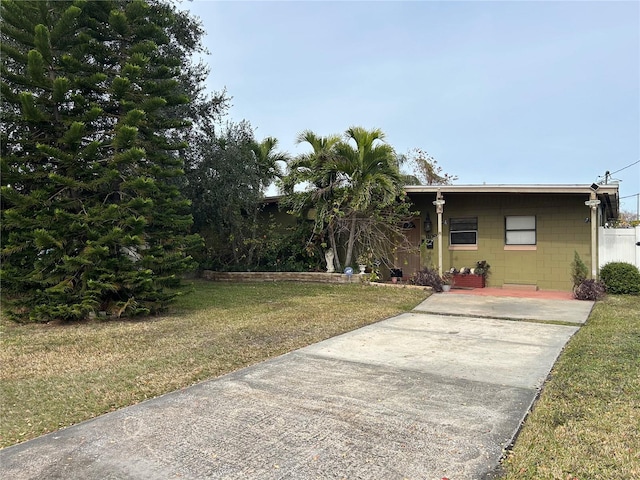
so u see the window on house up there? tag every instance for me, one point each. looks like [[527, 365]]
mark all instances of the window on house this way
[[463, 231], [520, 230]]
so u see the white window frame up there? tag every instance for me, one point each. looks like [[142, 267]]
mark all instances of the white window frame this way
[[524, 229]]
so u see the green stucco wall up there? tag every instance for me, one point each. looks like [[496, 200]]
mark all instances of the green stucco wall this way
[[560, 229]]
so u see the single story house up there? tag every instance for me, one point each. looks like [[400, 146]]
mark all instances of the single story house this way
[[527, 233]]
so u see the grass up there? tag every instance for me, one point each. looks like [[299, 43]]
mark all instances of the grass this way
[[586, 423], [584, 426], [53, 376]]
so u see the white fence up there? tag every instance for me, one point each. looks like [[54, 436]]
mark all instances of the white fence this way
[[619, 245]]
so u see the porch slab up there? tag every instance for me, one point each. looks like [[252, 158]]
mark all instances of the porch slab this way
[[537, 309]]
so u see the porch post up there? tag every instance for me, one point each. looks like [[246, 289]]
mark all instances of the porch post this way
[[439, 209], [593, 203]]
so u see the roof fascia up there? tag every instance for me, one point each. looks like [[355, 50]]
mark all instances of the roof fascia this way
[[611, 189]]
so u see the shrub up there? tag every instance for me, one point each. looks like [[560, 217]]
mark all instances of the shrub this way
[[589, 289], [428, 278], [621, 278], [579, 270]]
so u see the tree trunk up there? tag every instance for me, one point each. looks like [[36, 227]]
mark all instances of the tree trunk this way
[[332, 241], [352, 238]]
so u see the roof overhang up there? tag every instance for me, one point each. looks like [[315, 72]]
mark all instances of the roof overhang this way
[[611, 189], [608, 194]]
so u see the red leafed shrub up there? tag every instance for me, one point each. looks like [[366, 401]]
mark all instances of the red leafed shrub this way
[[589, 289]]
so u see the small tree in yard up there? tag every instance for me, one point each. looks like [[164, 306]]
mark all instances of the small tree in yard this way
[[96, 102], [579, 270], [584, 288]]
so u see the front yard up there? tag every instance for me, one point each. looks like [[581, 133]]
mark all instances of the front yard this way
[[585, 424], [53, 376]]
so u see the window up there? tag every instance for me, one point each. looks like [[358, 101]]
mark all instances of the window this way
[[463, 231], [520, 230]]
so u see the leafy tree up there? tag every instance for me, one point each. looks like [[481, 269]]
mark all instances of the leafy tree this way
[[424, 169], [227, 173], [626, 219], [97, 99]]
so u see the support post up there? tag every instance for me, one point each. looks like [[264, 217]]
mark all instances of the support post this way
[[439, 203], [594, 245], [593, 203]]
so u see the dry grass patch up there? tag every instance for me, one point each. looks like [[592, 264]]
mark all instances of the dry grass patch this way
[[585, 425], [53, 376]]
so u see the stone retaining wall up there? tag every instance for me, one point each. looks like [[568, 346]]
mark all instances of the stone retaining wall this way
[[315, 277]]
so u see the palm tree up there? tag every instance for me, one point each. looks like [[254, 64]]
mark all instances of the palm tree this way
[[372, 174], [267, 160], [318, 169], [350, 179]]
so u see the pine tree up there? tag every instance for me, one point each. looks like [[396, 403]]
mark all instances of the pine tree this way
[[95, 107]]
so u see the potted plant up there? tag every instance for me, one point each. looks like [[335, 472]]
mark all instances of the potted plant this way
[[447, 280], [363, 261], [471, 277], [395, 273]]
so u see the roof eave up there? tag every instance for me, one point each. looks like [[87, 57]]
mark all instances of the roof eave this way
[[484, 188]]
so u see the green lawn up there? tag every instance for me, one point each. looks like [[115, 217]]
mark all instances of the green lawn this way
[[53, 376], [586, 424]]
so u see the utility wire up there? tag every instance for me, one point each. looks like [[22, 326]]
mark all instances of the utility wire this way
[[624, 168], [629, 196], [608, 174]]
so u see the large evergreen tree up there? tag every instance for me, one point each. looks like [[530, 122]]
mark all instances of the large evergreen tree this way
[[97, 97]]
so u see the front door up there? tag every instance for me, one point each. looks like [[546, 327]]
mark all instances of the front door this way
[[407, 257]]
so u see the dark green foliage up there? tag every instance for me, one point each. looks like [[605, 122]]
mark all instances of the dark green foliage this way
[[589, 289], [227, 173], [579, 270], [222, 179], [428, 277], [97, 99], [621, 278], [287, 249], [275, 248]]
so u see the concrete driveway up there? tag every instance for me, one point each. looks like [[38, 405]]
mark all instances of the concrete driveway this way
[[419, 396]]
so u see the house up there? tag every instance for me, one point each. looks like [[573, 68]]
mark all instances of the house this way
[[527, 233]]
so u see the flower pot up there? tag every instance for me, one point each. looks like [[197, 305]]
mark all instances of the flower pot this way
[[362, 268], [446, 288], [395, 272], [468, 281]]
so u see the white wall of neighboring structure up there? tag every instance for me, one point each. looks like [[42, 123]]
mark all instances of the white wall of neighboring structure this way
[[619, 245]]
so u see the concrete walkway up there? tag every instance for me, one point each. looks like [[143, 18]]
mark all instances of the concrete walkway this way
[[418, 396]]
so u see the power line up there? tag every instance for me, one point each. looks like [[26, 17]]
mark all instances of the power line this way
[[624, 168], [629, 196], [607, 176]]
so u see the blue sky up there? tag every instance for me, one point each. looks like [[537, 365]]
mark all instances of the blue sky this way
[[498, 92]]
